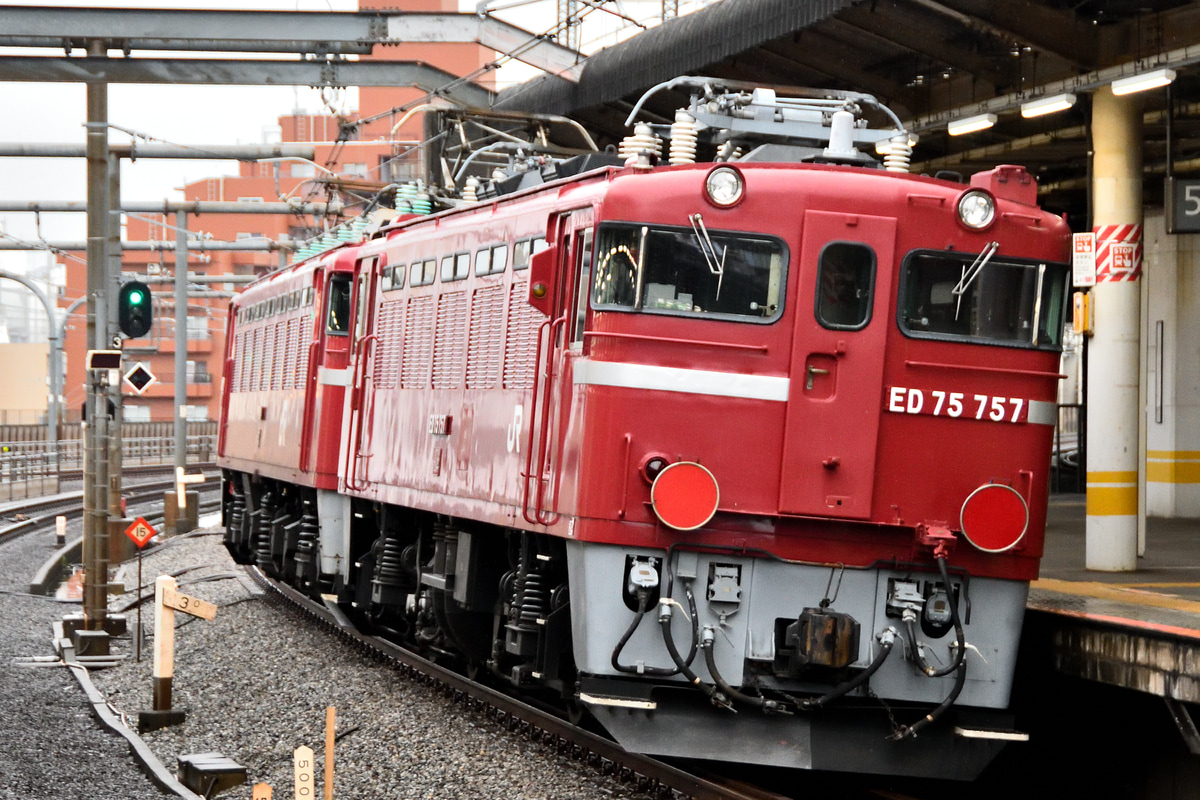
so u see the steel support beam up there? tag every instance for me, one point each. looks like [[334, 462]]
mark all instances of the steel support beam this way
[[303, 32], [196, 207], [223, 152], [253, 245], [244, 72]]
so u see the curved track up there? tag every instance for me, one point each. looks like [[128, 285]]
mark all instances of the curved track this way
[[645, 774]]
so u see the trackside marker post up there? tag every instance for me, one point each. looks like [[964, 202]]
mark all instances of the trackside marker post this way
[[305, 779], [140, 532], [262, 791], [330, 719], [181, 482], [168, 600]]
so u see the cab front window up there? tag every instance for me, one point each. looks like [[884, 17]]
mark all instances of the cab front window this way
[[689, 271], [984, 298]]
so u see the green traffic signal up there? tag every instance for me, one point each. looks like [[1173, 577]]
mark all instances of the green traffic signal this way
[[134, 309]]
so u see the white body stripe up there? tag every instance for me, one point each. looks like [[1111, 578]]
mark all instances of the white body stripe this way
[[1043, 413], [333, 377], [688, 381]]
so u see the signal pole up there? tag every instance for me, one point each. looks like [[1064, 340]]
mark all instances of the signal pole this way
[[95, 481], [181, 339], [115, 434]]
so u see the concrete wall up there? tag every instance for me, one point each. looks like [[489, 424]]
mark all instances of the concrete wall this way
[[1171, 296]]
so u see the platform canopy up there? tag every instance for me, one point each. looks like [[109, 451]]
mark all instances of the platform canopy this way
[[932, 61]]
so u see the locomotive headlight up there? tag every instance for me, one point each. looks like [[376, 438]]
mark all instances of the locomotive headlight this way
[[725, 186], [976, 209]]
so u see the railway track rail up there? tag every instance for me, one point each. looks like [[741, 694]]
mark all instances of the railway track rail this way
[[647, 775], [26, 516]]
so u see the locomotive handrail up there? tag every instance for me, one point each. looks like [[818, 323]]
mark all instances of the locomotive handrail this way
[[537, 362], [356, 394], [310, 396], [535, 424], [759, 348], [978, 368], [226, 390]]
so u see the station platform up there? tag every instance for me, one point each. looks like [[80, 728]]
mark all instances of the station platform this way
[[1137, 630]]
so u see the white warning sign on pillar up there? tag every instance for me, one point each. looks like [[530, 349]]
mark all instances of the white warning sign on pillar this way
[[1083, 259]]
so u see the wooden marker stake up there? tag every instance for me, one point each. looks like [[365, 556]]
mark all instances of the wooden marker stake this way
[[181, 482], [164, 644], [330, 719], [302, 758], [167, 600]]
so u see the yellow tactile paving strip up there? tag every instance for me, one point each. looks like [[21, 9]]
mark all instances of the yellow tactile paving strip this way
[[1134, 594]]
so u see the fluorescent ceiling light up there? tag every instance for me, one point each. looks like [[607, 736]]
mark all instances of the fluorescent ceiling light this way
[[1140, 83], [971, 124], [1047, 105]]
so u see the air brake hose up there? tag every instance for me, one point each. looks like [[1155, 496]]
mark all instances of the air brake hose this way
[[910, 731], [768, 706], [643, 597], [718, 698], [960, 652], [887, 639]]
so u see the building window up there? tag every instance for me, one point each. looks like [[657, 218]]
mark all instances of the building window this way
[[197, 372], [197, 328], [195, 413]]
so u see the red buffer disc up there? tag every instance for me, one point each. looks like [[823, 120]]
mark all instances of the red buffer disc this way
[[994, 518], [685, 496]]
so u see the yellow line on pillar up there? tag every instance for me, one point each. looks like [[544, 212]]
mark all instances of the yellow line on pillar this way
[[1111, 501], [1124, 476]]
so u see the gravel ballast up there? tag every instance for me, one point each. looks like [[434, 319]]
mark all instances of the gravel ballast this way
[[50, 743], [255, 683]]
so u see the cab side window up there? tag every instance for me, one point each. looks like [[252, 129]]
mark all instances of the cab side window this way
[[338, 320]]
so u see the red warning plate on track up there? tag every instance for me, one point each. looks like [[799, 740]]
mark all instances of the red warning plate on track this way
[[141, 532]]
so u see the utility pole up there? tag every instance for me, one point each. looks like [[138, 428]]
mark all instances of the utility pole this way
[[95, 481], [181, 339], [115, 434]]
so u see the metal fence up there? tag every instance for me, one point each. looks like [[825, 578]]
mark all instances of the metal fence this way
[[30, 466], [1067, 462]]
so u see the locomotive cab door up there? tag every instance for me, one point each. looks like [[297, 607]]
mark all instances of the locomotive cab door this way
[[561, 346], [362, 370], [831, 430], [327, 375]]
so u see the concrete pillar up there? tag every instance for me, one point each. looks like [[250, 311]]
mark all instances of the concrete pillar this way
[[1113, 357]]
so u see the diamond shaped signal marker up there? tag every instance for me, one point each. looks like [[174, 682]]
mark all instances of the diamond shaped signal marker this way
[[140, 532], [139, 377]]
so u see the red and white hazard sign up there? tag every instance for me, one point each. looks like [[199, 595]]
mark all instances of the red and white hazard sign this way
[[1118, 253]]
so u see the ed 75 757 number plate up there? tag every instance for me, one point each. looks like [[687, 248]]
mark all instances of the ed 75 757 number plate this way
[[965, 405]]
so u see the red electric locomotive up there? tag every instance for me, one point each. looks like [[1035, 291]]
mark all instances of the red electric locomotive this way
[[282, 403], [673, 440]]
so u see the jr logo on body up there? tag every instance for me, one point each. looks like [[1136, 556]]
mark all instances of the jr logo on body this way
[[514, 429]]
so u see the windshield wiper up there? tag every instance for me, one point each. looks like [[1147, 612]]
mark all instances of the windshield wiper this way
[[969, 274], [715, 265]]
